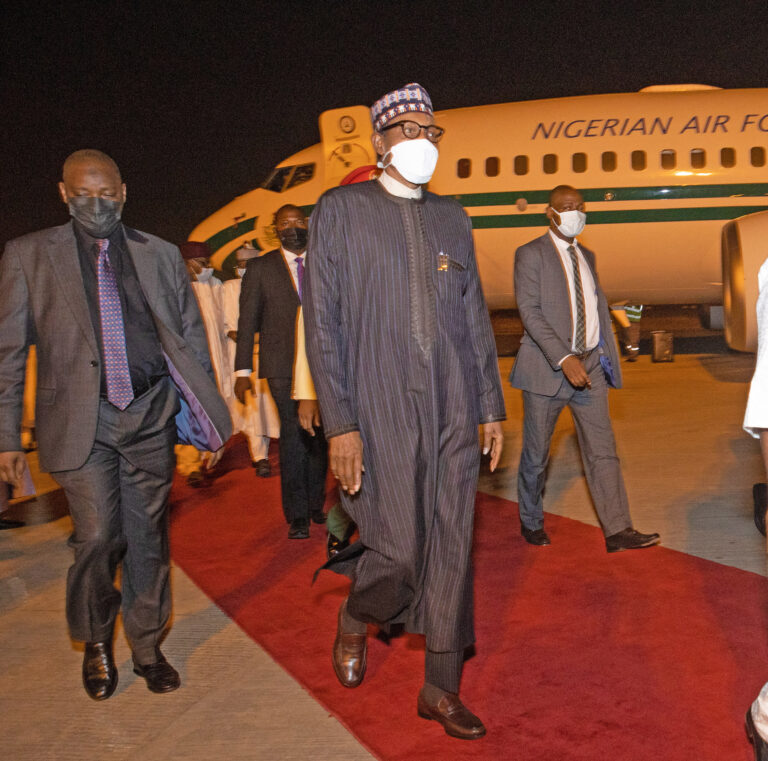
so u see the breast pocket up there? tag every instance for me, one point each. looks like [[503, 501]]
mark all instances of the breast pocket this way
[[451, 278]]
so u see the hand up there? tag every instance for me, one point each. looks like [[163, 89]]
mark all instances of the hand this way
[[309, 415], [242, 384], [212, 459], [574, 371], [345, 454], [232, 335], [12, 465], [493, 442]]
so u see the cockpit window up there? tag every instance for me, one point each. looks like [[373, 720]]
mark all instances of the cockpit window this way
[[285, 177], [303, 173], [276, 181]]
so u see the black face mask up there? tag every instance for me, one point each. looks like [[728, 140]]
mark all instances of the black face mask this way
[[99, 217], [293, 238]]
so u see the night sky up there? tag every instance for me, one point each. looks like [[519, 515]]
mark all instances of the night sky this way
[[196, 101]]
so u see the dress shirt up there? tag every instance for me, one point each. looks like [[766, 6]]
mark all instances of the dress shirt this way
[[397, 188], [592, 323], [146, 363]]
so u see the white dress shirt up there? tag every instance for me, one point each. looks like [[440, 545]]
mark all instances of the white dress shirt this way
[[592, 323]]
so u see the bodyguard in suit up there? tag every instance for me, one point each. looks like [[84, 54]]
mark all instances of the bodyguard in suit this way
[[270, 297], [112, 314], [404, 363], [567, 358]]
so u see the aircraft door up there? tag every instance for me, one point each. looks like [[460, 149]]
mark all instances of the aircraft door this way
[[346, 140]]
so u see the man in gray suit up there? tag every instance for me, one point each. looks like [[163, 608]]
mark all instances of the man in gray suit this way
[[113, 317], [568, 357]]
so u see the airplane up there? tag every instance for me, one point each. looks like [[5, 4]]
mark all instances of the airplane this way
[[675, 179]]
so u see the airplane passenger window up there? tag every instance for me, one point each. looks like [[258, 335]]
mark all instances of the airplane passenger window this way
[[492, 166], [549, 163], [521, 164], [668, 159], [579, 162], [609, 161], [698, 158], [757, 156], [464, 168], [727, 157], [276, 180], [303, 173], [638, 160]]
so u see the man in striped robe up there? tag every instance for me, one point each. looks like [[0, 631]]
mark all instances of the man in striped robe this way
[[404, 362]]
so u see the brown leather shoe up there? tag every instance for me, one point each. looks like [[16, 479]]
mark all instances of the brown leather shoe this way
[[349, 654], [456, 718], [99, 670]]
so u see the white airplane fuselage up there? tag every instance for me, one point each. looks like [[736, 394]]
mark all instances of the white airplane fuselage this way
[[662, 172]]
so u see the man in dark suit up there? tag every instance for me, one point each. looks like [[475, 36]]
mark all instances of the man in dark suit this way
[[568, 357], [112, 314], [269, 302]]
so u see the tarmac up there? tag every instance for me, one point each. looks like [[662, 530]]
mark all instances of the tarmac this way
[[689, 470]]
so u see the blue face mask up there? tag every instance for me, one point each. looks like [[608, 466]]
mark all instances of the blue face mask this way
[[99, 217]]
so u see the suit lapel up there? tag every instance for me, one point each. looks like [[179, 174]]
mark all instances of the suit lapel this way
[[559, 275], [65, 262], [145, 262], [287, 277]]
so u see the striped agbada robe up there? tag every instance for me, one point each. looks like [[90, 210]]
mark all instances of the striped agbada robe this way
[[401, 348]]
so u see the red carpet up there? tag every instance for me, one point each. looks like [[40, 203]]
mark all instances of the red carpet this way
[[641, 656]]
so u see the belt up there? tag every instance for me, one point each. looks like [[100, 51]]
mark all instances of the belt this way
[[141, 389], [585, 354]]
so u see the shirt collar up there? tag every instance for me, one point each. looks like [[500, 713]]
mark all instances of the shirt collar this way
[[562, 245], [90, 244], [290, 256], [397, 188]]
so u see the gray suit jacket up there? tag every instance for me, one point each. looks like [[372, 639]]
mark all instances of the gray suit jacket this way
[[42, 301], [541, 290]]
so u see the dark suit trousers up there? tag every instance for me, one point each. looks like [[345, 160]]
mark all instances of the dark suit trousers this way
[[118, 501], [303, 458], [589, 408]]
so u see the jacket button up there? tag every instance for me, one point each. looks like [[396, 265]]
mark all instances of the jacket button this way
[[94, 363]]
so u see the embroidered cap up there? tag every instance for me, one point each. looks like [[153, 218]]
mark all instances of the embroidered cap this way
[[195, 249], [412, 97]]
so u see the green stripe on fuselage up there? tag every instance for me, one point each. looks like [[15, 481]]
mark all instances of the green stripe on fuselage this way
[[221, 238], [620, 216], [592, 195]]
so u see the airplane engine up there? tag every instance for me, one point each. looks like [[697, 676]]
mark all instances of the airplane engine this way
[[744, 249]]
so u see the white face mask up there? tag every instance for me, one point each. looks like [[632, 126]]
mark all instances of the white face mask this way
[[571, 222], [240, 271], [204, 275], [414, 159]]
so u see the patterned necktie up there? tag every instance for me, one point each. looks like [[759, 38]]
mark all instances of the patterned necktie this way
[[580, 337], [300, 274], [119, 388]]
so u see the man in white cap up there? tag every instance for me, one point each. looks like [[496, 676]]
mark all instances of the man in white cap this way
[[404, 361]]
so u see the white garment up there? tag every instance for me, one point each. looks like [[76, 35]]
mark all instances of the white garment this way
[[592, 322], [208, 295], [760, 711], [397, 188], [257, 418], [756, 416], [291, 260]]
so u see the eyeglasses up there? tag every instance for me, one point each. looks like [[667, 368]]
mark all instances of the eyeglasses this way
[[412, 130]]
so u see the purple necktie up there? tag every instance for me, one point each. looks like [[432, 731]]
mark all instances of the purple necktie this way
[[119, 388], [300, 274]]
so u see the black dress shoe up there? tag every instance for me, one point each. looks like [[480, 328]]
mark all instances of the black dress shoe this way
[[8, 523], [537, 537], [99, 670], [318, 517], [160, 675], [629, 539], [760, 497], [299, 529], [262, 468], [456, 718], [760, 745], [196, 479]]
